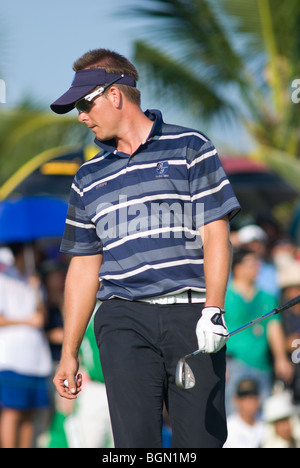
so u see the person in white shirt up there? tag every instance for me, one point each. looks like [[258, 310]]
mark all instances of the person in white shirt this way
[[245, 429], [282, 420], [25, 359]]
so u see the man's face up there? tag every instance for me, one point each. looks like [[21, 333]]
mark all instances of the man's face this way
[[102, 119], [248, 406], [284, 429]]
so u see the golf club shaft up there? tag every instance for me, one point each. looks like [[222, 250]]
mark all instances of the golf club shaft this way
[[275, 311]]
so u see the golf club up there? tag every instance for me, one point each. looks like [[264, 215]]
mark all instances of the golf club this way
[[185, 378]]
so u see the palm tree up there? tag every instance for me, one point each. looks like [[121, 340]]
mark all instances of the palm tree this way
[[230, 60], [28, 130]]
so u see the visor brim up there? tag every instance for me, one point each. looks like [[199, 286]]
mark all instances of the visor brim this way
[[66, 102], [83, 83]]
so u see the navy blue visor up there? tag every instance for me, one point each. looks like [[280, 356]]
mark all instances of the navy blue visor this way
[[83, 83]]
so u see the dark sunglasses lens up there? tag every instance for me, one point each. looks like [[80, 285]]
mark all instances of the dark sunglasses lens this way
[[83, 106]]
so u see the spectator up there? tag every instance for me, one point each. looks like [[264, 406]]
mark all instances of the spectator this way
[[245, 428], [54, 275], [248, 353], [283, 250], [254, 238], [283, 425], [6, 258], [25, 362], [289, 281]]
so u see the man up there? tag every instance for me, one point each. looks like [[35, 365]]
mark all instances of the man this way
[[289, 282], [245, 428], [283, 426], [144, 210], [266, 340]]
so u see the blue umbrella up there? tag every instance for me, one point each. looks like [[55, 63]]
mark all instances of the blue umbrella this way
[[30, 218]]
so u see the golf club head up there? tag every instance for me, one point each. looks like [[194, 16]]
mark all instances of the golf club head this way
[[184, 377]]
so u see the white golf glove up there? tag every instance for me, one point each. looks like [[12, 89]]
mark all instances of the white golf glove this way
[[211, 331]]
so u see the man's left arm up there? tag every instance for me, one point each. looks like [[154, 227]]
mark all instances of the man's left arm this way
[[217, 260], [211, 330]]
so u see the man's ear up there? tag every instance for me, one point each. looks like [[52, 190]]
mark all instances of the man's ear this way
[[116, 97]]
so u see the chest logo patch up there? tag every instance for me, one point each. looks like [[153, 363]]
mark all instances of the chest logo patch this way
[[162, 168]]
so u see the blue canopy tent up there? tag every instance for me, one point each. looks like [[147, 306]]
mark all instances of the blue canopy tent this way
[[27, 219]]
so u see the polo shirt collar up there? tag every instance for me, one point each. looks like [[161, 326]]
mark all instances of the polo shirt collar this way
[[153, 114]]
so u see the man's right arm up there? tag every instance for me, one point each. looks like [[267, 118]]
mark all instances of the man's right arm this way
[[82, 284]]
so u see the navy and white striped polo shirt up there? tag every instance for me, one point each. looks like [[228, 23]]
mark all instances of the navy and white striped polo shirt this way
[[143, 211]]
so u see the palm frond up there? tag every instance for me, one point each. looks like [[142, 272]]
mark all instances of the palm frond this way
[[163, 72], [191, 31]]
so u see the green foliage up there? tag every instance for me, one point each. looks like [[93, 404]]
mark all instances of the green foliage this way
[[27, 131], [228, 58]]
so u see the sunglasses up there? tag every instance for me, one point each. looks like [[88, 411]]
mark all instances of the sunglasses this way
[[86, 103]]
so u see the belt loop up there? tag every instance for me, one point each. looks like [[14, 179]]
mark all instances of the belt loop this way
[[189, 296]]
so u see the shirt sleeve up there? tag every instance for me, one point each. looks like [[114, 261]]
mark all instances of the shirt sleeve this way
[[211, 193], [80, 236]]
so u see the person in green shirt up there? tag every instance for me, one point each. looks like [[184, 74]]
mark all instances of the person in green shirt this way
[[258, 352]]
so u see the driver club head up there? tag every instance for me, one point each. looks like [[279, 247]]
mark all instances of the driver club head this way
[[184, 377]]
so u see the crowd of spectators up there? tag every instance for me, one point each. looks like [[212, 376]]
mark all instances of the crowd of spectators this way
[[31, 334], [263, 372], [263, 375]]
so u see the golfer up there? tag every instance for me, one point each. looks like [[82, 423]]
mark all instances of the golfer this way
[[148, 231]]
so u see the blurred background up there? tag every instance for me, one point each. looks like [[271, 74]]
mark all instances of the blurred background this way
[[228, 68]]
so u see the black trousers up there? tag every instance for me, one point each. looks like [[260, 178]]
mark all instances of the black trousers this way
[[140, 345]]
